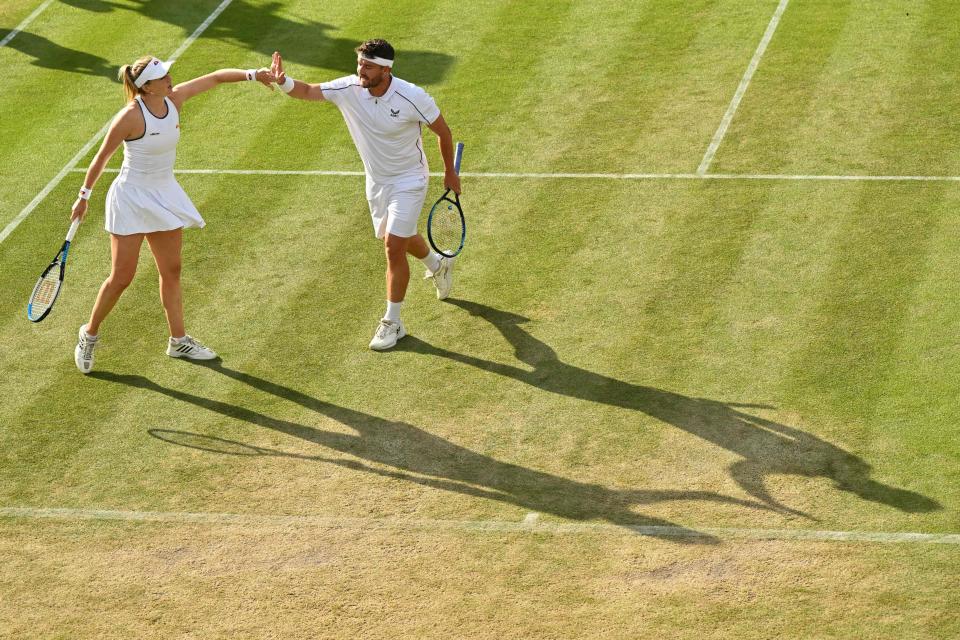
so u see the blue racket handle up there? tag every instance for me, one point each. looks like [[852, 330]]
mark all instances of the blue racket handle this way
[[457, 157]]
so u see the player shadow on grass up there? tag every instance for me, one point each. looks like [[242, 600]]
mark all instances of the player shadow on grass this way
[[414, 455], [302, 41], [47, 54], [765, 447]]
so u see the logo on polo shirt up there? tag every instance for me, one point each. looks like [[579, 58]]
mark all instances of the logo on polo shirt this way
[[394, 113]]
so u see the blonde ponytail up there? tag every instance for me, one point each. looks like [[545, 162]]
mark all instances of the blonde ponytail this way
[[127, 74]]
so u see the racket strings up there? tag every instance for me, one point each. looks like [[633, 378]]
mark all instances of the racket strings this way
[[446, 226], [45, 293]]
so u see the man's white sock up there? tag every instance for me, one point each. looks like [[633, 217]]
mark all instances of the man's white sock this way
[[432, 261], [393, 311]]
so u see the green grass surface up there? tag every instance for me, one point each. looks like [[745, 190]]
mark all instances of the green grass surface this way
[[776, 354]]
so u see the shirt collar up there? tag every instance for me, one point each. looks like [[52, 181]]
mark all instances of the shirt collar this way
[[386, 96]]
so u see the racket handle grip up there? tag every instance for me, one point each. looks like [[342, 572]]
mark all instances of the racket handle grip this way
[[73, 229], [457, 157]]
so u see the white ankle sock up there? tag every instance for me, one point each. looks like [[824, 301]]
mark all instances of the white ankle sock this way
[[393, 311], [432, 261]]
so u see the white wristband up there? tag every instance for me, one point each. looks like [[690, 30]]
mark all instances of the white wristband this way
[[251, 74], [85, 193], [287, 85]]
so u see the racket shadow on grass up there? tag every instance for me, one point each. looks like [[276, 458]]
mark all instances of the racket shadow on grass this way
[[765, 447], [402, 451]]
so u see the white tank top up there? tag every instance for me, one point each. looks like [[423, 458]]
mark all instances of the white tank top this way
[[150, 158]]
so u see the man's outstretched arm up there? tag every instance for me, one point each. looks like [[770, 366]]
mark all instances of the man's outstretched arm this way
[[294, 88]]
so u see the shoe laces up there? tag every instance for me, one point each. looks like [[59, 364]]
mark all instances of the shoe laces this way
[[86, 347], [385, 326], [193, 342]]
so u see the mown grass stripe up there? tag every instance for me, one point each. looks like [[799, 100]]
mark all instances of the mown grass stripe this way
[[741, 89], [528, 525], [862, 314], [26, 22]]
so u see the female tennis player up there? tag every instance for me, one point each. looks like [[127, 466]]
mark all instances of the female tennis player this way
[[145, 200]]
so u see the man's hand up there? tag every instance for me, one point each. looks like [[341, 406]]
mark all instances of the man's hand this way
[[276, 67], [451, 181]]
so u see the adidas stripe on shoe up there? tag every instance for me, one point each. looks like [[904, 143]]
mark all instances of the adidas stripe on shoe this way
[[188, 347]]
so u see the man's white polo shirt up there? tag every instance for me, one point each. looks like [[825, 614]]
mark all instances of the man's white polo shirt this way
[[385, 129]]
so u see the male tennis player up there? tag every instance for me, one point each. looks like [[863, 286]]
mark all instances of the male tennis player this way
[[384, 115]]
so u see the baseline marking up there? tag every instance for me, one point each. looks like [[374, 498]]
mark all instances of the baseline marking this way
[[530, 524], [742, 89], [70, 166], [23, 25], [573, 176]]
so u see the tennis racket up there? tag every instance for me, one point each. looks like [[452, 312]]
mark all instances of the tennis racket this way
[[48, 286], [446, 227]]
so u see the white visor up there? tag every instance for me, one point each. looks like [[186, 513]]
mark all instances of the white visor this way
[[383, 62], [154, 70]]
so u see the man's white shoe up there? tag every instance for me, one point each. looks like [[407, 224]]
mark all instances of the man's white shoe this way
[[388, 332], [83, 353], [442, 277], [187, 347]]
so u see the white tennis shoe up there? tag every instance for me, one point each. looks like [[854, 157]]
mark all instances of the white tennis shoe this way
[[442, 277], [83, 353], [387, 334], [187, 347]]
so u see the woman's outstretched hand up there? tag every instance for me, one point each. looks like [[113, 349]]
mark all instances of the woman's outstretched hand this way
[[266, 78]]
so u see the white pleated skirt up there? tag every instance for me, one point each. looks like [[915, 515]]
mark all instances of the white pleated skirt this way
[[146, 206]]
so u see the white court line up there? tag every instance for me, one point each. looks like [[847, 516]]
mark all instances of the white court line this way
[[23, 25], [89, 145], [742, 89], [530, 524], [574, 176]]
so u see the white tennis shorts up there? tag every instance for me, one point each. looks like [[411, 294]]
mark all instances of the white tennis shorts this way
[[395, 208]]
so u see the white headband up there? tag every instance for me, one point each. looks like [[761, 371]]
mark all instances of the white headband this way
[[383, 62], [154, 70]]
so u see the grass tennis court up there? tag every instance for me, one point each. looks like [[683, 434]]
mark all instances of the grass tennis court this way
[[660, 402]]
